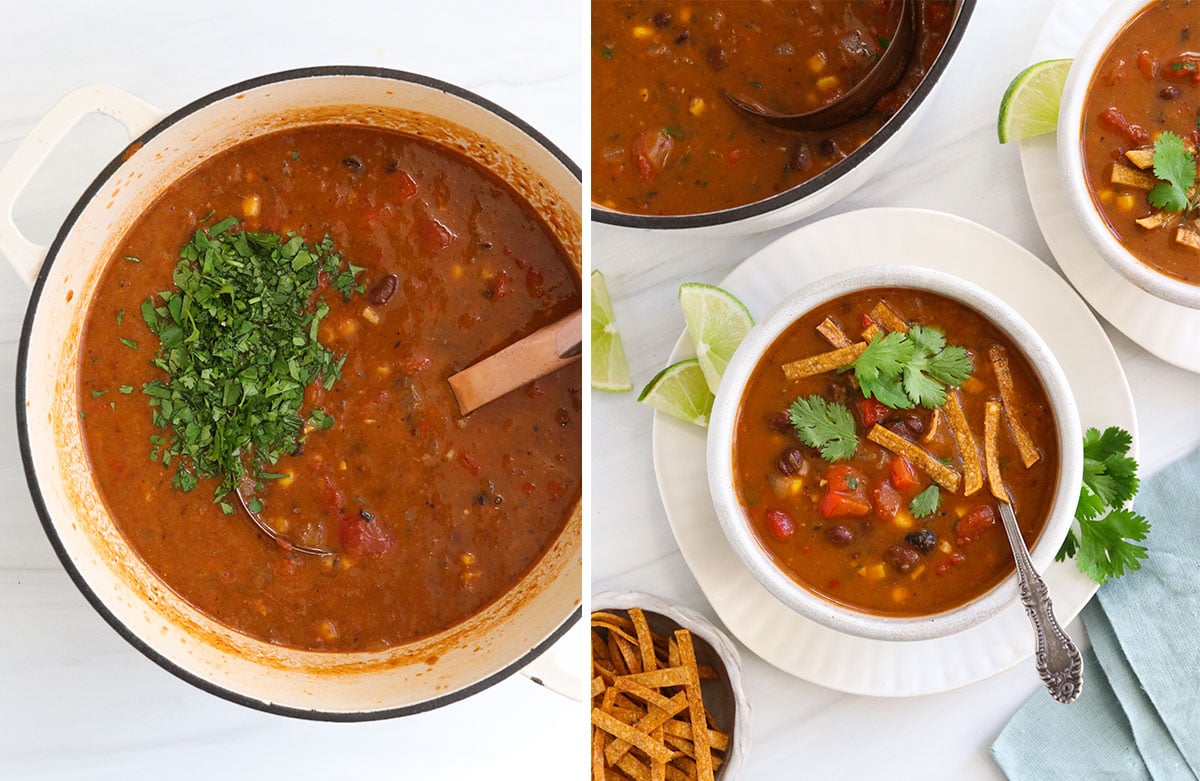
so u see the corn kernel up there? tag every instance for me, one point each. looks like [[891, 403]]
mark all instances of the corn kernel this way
[[279, 524], [370, 315], [383, 371], [696, 107], [644, 94], [468, 559], [901, 594], [1105, 196], [342, 466], [916, 573], [456, 271], [944, 546], [251, 205], [828, 83], [326, 630], [816, 63], [1126, 202], [972, 385], [349, 328], [685, 14], [287, 479], [904, 519], [876, 571], [642, 32]]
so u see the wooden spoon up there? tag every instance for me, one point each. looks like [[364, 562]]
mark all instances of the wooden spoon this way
[[860, 98], [542, 352]]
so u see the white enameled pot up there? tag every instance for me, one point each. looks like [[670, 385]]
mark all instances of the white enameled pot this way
[[827, 187], [502, 639], [732, 516]]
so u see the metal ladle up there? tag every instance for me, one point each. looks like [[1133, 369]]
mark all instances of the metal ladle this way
[[1059, 664], [860, 98]]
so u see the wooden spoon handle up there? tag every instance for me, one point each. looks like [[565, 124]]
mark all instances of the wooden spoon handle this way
[[542, 352]]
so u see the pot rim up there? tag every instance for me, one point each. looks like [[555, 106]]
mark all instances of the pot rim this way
[[23, 351], [780, 201]]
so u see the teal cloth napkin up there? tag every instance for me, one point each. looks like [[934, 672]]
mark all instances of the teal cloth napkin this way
[[1138, 716]]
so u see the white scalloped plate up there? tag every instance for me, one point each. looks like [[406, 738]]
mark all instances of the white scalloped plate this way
[[1167, 330], [870, 237]]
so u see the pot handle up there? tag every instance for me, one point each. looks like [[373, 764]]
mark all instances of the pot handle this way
[[549, 671], [137, 116]]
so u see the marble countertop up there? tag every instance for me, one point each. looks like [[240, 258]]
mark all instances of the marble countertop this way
[[77, 701], [952, 164]]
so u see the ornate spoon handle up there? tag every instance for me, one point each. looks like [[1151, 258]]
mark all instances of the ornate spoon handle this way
[[1058, 661]]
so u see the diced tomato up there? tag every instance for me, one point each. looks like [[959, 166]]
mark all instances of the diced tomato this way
[[364, 538], [555, 489], [468, 463], [1184, 68], [866, 320], [1147, 65], [501, 288], [974, 523], [1116, 73], [735, 155], [432, 234], [846, 493], [834, 583], [952, 561], [904, 474], [936, 12], [534, 391], [872, 411], [534, 282], [528, 489], [887, 500], [780, 524], [415, 363], [1112, 119], [285, 566], [331, 498], [406, 186], [650, 152]]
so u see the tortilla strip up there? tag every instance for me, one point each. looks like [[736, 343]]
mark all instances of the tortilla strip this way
[[614, 656], [675, 774], [629, 654], [883, 314], [598, 739], [833, 333], [645, 643], [636, 770], [1132, 177], [598, 686], [643, 693], [658, 770], [614, 619], [652, 721], [935, 424], [943, 475], [1008, 394], [1154, 221], [825, 362], [687, 655], [991, 433], [1188, 238], [681, 729], [664, 676], [617, 728], [967, 447], [870, 332], [1142, 158]]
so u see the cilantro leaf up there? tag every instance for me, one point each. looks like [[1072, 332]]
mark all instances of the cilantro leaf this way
[[1069, 547], [926, 502], [1107, 471], [1107, 547], [1174, 165], [903, 370], [825, 425]]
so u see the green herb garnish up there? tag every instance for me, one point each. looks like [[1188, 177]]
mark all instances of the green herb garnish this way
[[1176, 167], [606, 52], [1105, 547], [132, 259], [125, 389], [238, 342], [120, 316], [132, 345], [826, 425], [98, 393], [926, 502], [903, 370]]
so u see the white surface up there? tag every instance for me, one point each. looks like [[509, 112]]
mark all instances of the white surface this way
[[800, 645], [1169, 330], [79, 702], [953, 164]]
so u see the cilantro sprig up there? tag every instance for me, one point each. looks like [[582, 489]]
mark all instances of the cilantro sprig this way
[[926, 502], [826, 425], [238, 343], [1176, 168], [903, 370], [1106, 545]]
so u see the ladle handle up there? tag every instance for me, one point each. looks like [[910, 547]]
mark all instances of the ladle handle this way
[[1059, 663], [542, 352], [137, 116]]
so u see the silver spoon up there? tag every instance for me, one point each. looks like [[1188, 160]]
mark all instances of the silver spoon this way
[[1058, 661], [280, 538], [861, 97]]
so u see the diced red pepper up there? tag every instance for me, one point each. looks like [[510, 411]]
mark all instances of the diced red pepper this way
[[887, 500], [780, 524], [951, 561], [432, 234], [1147, 65], [331, 498], [1112, 119], [650, 152], [974, 523], [1183, 69], [468, 463], [361, 537], [406, 186], [872, 411], [846, 493], [904, 474]]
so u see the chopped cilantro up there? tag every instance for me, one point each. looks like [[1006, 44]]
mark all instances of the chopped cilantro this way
[[1106, 547], [926, 502], [883, 40], [125, 389], [606, 52], [903, 370], [98, 393], [132, 259], [1176, 167], [132, 345], [320, 419], [238, 343], [825, 425], [756, 84], [295, 154], [120, 316]]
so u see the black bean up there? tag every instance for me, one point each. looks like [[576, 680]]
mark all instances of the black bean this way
[[499, 500], [683, 36], [838, 392], [902, 557], [914, 422], [801, 159], [781, 423], [922, 539], [899, 428], [717, 57], [354, 163], [839, 535], [1169, 92], [830, 148], [662, 19], [383, 290], [792, 462], [563, 418], [480, 499], [366, 516]]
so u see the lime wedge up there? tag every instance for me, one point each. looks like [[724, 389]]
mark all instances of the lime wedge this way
[[717, 323], [680, 390], [1030, 104], [610, 370]]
